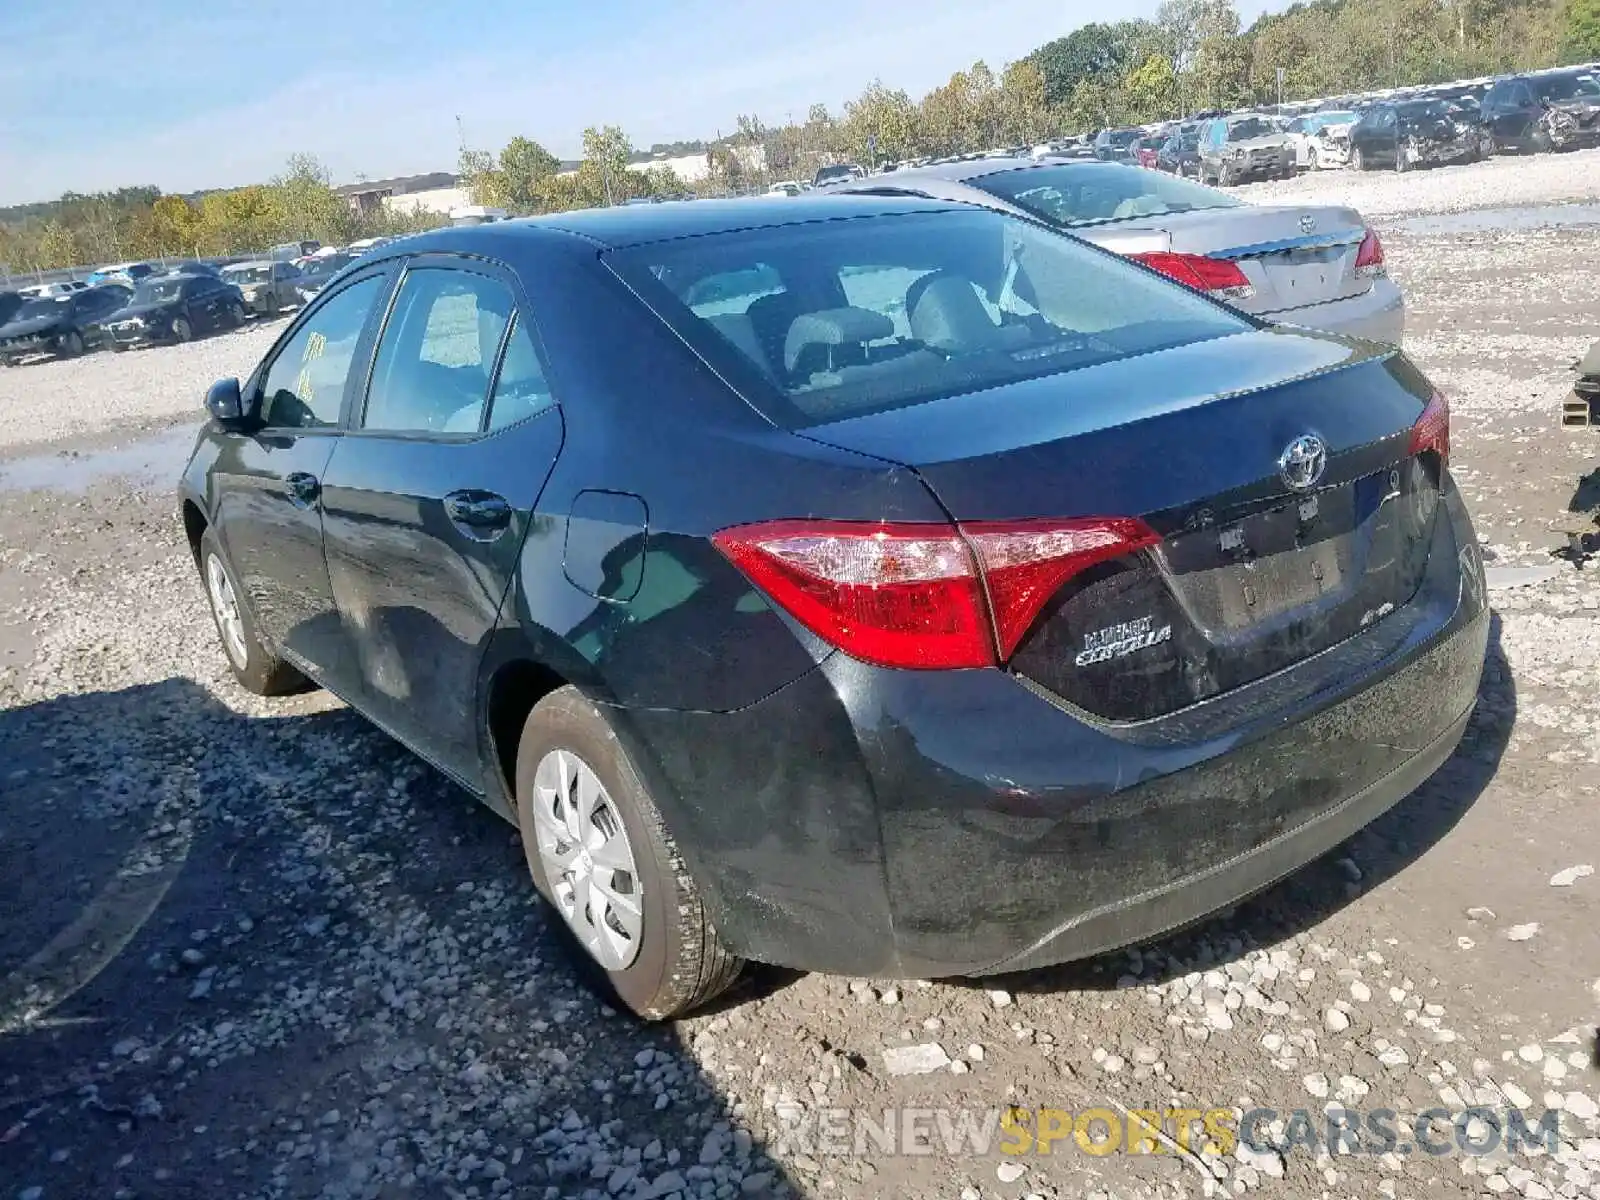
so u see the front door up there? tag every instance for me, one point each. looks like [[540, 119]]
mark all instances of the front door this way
[[429, 496], [268, 497]]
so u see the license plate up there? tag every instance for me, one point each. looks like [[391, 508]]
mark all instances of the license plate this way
[[1266, 587]]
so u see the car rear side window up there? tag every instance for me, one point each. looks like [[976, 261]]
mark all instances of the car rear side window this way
[[304, 386], [439, 346], [520, 389], [887, 311]]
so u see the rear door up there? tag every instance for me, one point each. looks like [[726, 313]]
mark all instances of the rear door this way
[[429, 496]]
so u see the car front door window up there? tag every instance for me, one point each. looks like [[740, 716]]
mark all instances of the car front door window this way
[[305, 385]]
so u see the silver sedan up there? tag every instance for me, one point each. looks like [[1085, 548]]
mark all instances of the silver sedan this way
[[1319, 265]]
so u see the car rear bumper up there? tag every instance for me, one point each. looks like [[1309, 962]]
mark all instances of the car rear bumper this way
[[922, 824], [1378, 314]]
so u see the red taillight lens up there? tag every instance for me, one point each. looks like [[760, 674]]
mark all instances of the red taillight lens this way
[[1024, 563], [1215, 275], [1432, 430], [1369, 259], [913, 595]]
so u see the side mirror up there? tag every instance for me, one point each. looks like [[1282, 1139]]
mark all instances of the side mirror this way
[[226, 405]]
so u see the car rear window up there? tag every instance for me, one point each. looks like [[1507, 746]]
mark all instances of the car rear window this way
[[825, 320], [1079, 194]]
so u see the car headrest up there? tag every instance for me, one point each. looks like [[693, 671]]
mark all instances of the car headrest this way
[[946, 314], [1139, 206], [833, 327]]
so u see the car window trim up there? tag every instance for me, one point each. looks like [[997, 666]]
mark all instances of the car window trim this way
[[364, 343]]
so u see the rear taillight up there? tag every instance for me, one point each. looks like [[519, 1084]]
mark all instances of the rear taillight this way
[[1432, 430], [1369, 259], [922, 595], [1217, 276]]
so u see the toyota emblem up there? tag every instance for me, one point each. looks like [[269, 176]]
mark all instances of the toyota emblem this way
[[1307, 223], [1302, 462]]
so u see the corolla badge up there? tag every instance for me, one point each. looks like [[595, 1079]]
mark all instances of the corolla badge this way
[[1307, 223], [1302, 462]]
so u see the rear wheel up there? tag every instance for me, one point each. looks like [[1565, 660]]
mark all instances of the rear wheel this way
[[255, 666], [182, 331], [601, 855], [1358, 161]]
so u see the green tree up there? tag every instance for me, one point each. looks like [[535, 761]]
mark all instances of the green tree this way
[[1583, 29], [525, 169], [880, 124], [603, 176], [1093, 52]]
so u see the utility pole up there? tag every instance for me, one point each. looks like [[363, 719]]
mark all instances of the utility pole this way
[[1280, 86], [461, 133]]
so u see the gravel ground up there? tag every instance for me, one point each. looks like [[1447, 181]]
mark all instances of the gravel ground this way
[[255, 949]]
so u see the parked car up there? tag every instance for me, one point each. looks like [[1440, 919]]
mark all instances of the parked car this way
[[785, 187], [128, 273], [1144, 152], [1550, 110], [61, 325], [1180, 154], [1011, 560], [1467, 112], [359, 246], [1411, 133], [1244, 146], [44, 291], [837, 173], [318, 271], [1112, 145], [1321, 139], [192, 266], [174, 308], [9, 303], [1315, 265], [289, 251], [267, 287]]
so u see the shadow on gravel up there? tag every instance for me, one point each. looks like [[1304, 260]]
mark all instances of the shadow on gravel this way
[[279, 956], [1321, 888]]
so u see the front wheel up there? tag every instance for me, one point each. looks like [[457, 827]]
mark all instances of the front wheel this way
[[72, 345], [600, 854], [1543, 143], [182, 331], [255, 666], [1311, 158], [236, 314], [1224, 176]]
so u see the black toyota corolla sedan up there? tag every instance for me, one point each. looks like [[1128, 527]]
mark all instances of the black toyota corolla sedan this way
[[863, 584]]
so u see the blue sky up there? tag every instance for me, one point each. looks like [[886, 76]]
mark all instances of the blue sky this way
[[187, 95]]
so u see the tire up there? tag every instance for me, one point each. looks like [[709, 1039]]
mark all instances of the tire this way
[[71, 345], [255, 666], [182, 331], [1311, 158], [1358, 161], [1224, 176], [236, 316], [1542, 142], [673, 961]]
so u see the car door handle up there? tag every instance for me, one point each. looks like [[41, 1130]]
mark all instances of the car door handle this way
[[303, 488], [480, 514]]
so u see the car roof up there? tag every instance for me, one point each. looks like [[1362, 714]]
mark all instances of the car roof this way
[[254, 262], [636, 225]]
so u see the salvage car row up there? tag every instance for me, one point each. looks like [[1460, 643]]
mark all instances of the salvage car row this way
[[1535, 112], [126, 305]]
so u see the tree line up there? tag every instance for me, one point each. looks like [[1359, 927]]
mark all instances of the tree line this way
[[1194, 55]]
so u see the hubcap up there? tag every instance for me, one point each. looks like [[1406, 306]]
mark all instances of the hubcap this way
[[584, 848], [226, 606]]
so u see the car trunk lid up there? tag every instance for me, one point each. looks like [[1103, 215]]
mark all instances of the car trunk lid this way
[[1292, 256], [1250, 574]]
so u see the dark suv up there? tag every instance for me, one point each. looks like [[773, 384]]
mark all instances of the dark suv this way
[[1113, 145], [1551, 110]]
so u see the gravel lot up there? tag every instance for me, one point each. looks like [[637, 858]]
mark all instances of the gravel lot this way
[[255, 949]]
